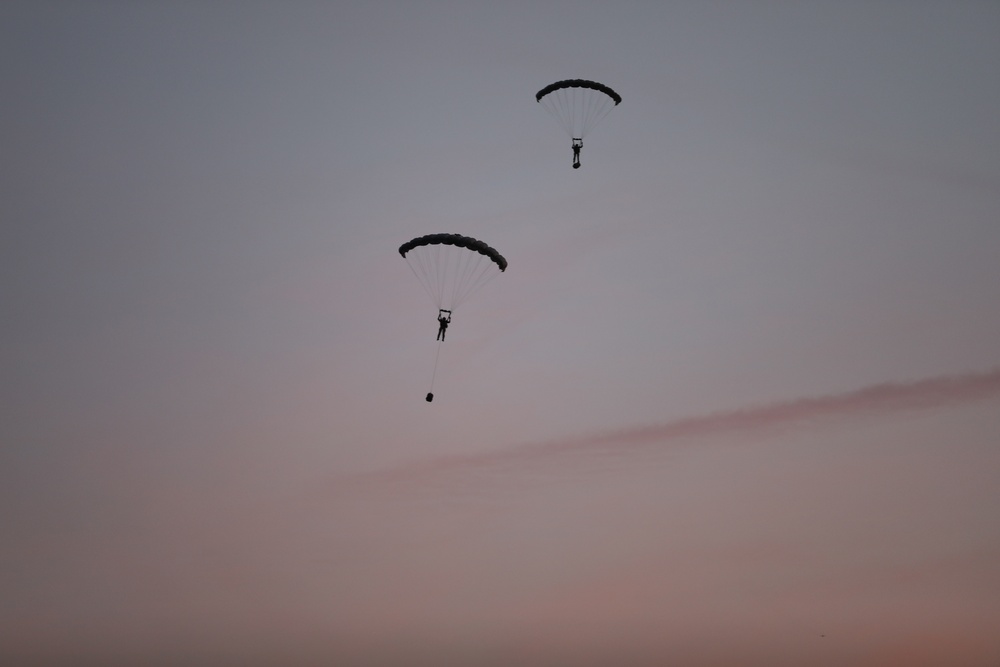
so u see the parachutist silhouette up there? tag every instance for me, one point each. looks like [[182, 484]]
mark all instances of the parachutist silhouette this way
[[578, 105], [443, 323], [450, 267]]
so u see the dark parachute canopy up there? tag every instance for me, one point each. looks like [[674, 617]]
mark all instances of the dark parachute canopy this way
[[578, 83], [578, 104], [452, 267]]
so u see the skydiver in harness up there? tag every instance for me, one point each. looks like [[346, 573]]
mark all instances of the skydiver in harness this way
[[443, 323], [577, 145]]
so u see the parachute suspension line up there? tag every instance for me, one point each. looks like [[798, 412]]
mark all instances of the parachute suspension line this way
[[474, 262], [431, 272], [440, 273], [578, 110], [425, 275], [573, 111], [462, 261], [485, 274], [558, 109], [430, 391], [560, 105], [549, 109], [586, 104], [450, 274], [593, 106], [596, 108], [469, 274], [602, 110], [599, 108], [418, 269]]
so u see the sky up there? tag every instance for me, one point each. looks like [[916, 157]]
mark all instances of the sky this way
[[734, 400]]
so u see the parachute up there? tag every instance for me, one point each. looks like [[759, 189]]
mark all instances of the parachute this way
[[451, 268], [578, 105]]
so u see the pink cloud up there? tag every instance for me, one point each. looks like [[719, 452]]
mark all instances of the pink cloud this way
[[875, 400]]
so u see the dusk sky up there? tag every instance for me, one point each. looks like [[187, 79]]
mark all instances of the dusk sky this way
[[735, 400]]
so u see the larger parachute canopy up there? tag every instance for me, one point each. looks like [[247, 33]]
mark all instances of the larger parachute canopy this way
[[578, 83], [451, 267], [578, 104], [455, 240]]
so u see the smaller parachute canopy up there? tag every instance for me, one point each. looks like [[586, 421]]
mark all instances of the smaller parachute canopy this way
[[577, 104], [578, 83]]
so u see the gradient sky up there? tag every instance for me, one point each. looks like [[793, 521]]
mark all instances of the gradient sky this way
[[736, 399]]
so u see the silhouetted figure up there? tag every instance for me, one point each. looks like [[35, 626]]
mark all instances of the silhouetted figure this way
[[577, 145], [443, 323]]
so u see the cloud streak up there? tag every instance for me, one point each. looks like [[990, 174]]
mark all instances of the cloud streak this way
[[878, 400]]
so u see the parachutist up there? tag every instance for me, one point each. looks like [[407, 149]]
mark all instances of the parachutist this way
[[450, 267], [578, 105], [443, 323]]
